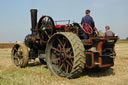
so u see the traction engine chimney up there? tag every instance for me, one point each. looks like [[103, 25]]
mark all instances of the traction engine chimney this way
[[33, 20]]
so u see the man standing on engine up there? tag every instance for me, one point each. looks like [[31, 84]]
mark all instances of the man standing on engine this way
[[87, 21]]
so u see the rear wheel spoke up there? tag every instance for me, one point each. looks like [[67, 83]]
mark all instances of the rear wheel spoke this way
[[70, 57], [15, 57], [55, 49], [68, 50], [59, 47], [68, 63], [60, 67], [64, 67], [71, 61], [64, 45], [55, 59], [67, 69], [60, 42], [57, 54]]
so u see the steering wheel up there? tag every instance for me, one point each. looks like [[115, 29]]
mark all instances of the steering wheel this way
[[87, 28]]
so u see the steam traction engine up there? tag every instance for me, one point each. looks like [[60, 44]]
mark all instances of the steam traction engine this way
[[63, 48]]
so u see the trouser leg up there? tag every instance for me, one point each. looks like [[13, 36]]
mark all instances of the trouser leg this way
[[85, 36]]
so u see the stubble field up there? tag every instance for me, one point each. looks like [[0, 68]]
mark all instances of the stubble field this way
[[37, 74]]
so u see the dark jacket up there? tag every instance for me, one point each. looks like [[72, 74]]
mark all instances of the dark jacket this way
[[89, 20]]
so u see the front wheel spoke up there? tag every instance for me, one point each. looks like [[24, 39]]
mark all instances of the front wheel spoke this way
[[20, 61], [15, 49], [16, 61], [19, 53], [16, 54], [15, 57], [20, 49]]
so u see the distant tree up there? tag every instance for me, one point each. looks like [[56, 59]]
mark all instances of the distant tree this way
[[126, 38], [118, 38], [100, 30]]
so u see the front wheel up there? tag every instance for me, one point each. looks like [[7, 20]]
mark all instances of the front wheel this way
[[65, 55], [20, 55]]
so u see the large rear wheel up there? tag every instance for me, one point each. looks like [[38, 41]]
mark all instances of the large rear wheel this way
[[65, 55]]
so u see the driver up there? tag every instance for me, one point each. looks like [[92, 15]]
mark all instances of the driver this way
[[88, 20]]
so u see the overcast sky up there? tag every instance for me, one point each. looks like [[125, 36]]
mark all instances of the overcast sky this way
[[15, 21]]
